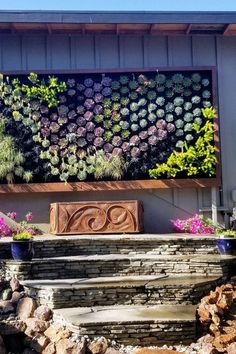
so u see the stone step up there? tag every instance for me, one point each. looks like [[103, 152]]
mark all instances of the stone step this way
[[119, 265], [122, 290], [132, 325], [165, 244]]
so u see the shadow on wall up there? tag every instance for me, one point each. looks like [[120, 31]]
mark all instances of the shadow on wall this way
[[159, 206]]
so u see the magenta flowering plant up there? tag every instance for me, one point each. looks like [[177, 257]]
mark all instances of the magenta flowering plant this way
[[197, 224], [23, 226]]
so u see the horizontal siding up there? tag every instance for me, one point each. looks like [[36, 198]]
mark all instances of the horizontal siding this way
[[58, 52]]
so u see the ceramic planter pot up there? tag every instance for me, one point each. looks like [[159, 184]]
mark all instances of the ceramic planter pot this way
[[22, 250], [226, 245]]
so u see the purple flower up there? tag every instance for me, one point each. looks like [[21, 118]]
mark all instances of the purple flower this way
[[143, 134], [116, 141], [98, 109], [89, 103], [81, 131], [107, 147], [134, 140], [88, 92], [99, 131], [152, 130], [90, 137], [143, 146], [125, 147], [80, 109], [152, 140], [106, 91], [161, 134], [81, 121], [106, 81], [90, 126], [72, 127], [135, 152], [161, 124], [170, 127], [97, 87], [98, 97], [98, 142], [117, 152], [88, 82], [88, 115]]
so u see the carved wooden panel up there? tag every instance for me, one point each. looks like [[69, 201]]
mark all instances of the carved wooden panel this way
[[96, 217]]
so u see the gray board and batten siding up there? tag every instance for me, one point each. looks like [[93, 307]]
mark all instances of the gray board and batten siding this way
[[74, 52]]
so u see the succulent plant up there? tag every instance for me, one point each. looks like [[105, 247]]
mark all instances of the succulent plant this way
[[88, 82], [188, 127], [115, 117], [134, 127], [107, 135], [134, 107], [188, 117], [152, 83], [97, 87], [196, 99], [107, 112], [133, 95], [124, 79], [206, 104], [90, 126], [178, 101], [124, 90], [152, 130], [169, 117], [125, 134], [98, 131], [108, 147], [196, 87], [169, 107], [179, 123], [107, 91], [116, 141], [107, 124], [115, 97], [161, 134], [80, 109], [160, 78], [143, 146], [143, 123], [116, 128], [169, 93], [89, 103], [178, 111], [106, 81], [142, 102], [206, 94], [196, 77], [180, 144], [160, 88], [62, 110], [177, 78], [187, 82], [124, 101], [189, 137], [135, 152], [151, 95], [160, 101], [152, 140], [124, 124], [81, 121], [152, 117], [115, 85], [125, 146], [98, 141], [88, 116], [143, 134], [187, 106], [170, 128], [107, 102], [179, 132], [133, 84], [197, 112], [205, 82], [187, 92], [134, 140], [142, 113], [90, 137], [98, 97], [198, 120], [98, 109]]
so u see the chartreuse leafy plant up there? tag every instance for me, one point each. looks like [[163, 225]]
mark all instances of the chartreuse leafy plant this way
[[192, 160], [22, 236]]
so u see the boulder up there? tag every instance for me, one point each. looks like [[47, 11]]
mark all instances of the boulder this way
[[208, 348], [99, 346], [39, 342], [16, 296], [221, 341], [15, 284], [50, 349], [43, 313], [6, 306], [6, 294], [231, 349], [66, 346], [55, 334], [36, 325], [25, 308], [2, 346], [8, 327]]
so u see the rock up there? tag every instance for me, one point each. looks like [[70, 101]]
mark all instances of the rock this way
[[36, 325], [6, 306], [43, 313], [25, 308], [16, 296], [208, 349], [2, 346], [8, 327], [112, 351], [99, 346], [55, 334], [231, 349], [66, 346], [6, 294], [3, 283], [15, 284], [155, 351], [206, 339], [28, 351], [221, 341], [50, 349], [39, 342]]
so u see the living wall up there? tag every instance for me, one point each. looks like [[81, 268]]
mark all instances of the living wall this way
[[77, 127]]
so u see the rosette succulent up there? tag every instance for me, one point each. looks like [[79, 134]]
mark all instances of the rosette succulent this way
[[206, 94], [178, 111], [160, 78], [134, 140], [179, 123], [152, 130], [98, 97], [151, 95], [124, 124], [106, 81], [106, 91], [115, 97], [116, 128], [98, 131], [90, 126], [188, 127], [89, 103], [134, 127], [196, 99], [169, 117], [205, 82], [97, 87], [188, 117], [178, 101], [169, 107], [116, 141], [115, 85], [152, 117], [160, 101], [160, 113], [143, 123], [98, 142], [88, 82], [196, 77], [143, 134], [161, 124], [142, 113], [135, 152], [124, 111], [177, 78], [134, 107], [125, 134], [124, 79]]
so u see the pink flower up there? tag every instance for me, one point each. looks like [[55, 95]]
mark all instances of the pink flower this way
[[195, 225], [29, 216], [12, 215]]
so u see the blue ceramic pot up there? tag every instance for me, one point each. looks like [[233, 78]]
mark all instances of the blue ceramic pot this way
[[22, 250], [226, 246]]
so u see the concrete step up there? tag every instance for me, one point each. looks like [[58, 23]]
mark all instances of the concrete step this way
[[119, 265], [132, 325], [165, 244], [121, 290]]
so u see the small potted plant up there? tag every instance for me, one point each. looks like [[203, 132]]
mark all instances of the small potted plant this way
[[226, 242], [22, 246]]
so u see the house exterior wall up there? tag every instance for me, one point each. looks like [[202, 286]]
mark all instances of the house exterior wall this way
[[60, 52]]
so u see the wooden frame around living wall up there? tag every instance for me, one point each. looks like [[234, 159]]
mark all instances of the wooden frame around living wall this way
[[131, 184]]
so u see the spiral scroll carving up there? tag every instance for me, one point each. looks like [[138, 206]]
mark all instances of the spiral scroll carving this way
[[102, 217]]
